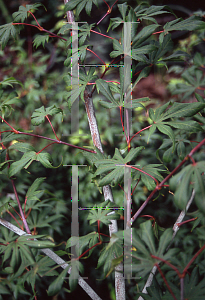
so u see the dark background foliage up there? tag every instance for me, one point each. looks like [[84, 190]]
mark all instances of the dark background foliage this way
[[41, 73]]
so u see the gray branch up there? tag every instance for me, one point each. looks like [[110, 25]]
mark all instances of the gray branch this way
[[175, 229], [55, 258]]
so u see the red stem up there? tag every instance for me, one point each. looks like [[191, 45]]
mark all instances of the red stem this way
[[102, 18], [42, 29], [169, 264], [34, 18], [102, 34], [187, 221], [191, 261], [136, 185], [158, 32], [158, 187], [14, 218], [163, 277], [52, 127], [45, 147], [56, 141], [20, 208], [140, 131], [96, 55], [143, 172], [15, 131]]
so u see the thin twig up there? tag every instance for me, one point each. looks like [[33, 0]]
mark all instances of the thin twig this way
[[55, 258], [175, 229]]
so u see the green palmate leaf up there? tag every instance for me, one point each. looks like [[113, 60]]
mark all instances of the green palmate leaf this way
[[94, 157], [7, 31], [32, 193], [147, 13], [143, 35], [18, 252], [181, 150], [56, 286], [136, 53], [77, 89], [40, 40], [116, 166], [111, 251], [190, 23], [38, 244], [22, 147], [71, 5], [83, 34], [199, 60], [103, 87], [147, 236], [153, 171], [199, 98], [183, 110], [9, 82], [155, 115], [190, 126], [28, 158], [123, 9], [76, 267], [168, 131], [80, 5], [7, 100], [45, 159], [22, 13], [135, 103], [193, 80], [134, 152], [151, 131], [143, 74], [199, 185], [99, 214], [82, 242], [187, 179], [164, 241], [39, 114], [118, 49], [193, 287], [168, 155], [143, 244], [43, 266]]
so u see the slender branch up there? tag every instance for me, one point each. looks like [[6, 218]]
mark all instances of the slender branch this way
[[180, 218], [193, 258], [20, 208], [142, 172], [140, 131], [170, 290], [159, 186], [52, 127], [102, 34], [119, 280], [34, 18], [55, 258], [167, 263], [96, 55], [13, 217], [175, 229], [47, 138]]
